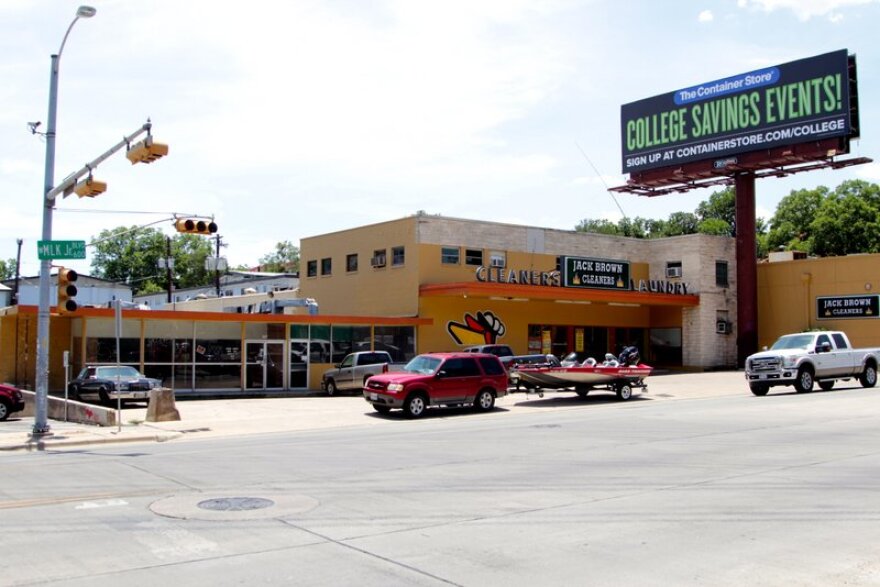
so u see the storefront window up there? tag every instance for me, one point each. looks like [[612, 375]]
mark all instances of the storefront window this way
[[101, 342], [347, 339], [264, 331], [399, 341], [218, 342], [665, 346], [319, 343]]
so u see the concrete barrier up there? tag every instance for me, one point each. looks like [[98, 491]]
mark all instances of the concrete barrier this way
[[161, 407], [74, 411]]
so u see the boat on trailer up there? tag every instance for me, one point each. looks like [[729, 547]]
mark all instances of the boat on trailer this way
[[620, 375]]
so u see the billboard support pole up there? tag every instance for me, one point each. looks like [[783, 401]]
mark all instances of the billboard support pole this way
[[746, 268]]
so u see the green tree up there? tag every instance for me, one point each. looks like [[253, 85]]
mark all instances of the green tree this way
[[790, 225], [131, 255], [720, 206], [715, 226], [284, 259], [601, 226], [847, 221], [681, 223], [7, 269]]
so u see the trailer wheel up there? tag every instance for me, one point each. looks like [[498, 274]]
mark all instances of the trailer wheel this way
[[582, 392], [624, 392], [868, 378], [804, 381]]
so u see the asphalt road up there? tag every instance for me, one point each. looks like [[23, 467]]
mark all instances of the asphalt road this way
[[730, 490]]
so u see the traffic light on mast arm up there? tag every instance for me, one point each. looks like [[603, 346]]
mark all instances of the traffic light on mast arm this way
[[195, 226], [146, 151], [66, 291], [89, 188]]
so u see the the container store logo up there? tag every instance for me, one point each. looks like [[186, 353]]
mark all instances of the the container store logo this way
[[485, 328]]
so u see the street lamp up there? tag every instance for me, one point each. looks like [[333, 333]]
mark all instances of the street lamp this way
[[41, 426]]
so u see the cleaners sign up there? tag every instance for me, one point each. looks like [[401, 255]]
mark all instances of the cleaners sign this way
[[848, 307], [796, 102], [595, 273]]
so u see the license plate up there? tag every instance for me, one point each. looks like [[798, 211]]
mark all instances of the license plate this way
[[374, 396]]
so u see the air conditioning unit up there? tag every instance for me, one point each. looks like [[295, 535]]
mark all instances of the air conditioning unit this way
[[378, 261], [673, 272], [722, 327], [496, 262]]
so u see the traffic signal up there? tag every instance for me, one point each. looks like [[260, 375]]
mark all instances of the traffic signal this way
[[66, 290], [195, 226], [89, 188], [146, 151]]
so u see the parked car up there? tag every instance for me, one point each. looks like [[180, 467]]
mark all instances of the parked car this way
[[11, 401], [355, 369], [106, 383], [807, 357], [499, 350], [439, 379]]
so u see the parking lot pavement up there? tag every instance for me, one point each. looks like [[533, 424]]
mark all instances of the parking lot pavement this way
[[234, 417]]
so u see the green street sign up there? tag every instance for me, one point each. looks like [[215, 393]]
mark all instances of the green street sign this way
[[61, 250]]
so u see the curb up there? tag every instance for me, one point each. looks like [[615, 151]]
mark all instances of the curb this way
[[63, 442]]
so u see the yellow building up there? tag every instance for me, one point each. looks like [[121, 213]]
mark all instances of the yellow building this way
[[829, 293], [539, 290]]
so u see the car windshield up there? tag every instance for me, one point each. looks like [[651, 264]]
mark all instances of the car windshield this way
[[424, 365], [108, 372], [796, 341]]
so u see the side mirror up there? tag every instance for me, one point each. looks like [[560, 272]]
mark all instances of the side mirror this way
[[442, 373], [825, 347]]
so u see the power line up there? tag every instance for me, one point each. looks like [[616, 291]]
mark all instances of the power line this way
[[602, 179]]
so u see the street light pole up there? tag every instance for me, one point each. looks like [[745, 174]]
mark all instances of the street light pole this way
[[41, 426]]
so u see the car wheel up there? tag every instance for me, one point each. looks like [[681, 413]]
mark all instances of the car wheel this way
[[582, 391], [104, 396], [826, 385], [415, 406], [331, 387], [759, 389], [624, 392], [868, 378], [484, 401], [73, 393], [5, 410], [381, 409], [804, 381]]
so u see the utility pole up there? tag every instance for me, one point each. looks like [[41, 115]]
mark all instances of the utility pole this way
[[169, 265], [17, 272], [217, 268]]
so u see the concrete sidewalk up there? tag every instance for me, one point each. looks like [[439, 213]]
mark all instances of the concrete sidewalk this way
[[209, 418]]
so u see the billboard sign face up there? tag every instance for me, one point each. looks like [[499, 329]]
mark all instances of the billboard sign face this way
[[797, 102]]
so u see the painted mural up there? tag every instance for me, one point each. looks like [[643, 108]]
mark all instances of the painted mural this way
[[485, 328]]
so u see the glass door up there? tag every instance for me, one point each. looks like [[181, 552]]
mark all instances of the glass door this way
[[264, 364]]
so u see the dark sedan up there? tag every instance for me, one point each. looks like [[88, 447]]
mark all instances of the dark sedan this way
[[109, 383]]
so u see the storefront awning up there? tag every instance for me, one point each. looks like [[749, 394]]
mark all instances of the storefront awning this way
[[522, 293]]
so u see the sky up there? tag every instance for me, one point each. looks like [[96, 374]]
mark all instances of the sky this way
[[289, 119]]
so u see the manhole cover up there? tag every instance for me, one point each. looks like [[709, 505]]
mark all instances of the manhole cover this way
[[235, 504], [231, 507]]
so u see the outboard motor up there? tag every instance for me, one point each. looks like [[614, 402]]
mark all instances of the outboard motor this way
[[629, 356]]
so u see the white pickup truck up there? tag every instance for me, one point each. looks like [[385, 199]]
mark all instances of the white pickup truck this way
[[355, 369], [807, 357]]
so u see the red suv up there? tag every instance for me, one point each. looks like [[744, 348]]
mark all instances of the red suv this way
[[10, 401], [439, 379]]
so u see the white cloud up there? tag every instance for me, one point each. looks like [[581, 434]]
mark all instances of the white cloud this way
[[706, 16], [806, 9]]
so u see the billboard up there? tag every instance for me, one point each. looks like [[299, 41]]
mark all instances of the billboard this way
[[797, 102]]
